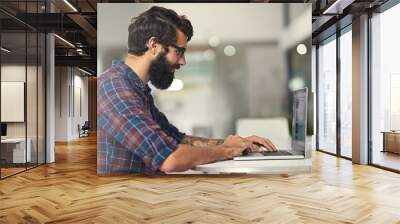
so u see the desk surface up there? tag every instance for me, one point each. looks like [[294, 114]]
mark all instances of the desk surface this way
[[257, 167]]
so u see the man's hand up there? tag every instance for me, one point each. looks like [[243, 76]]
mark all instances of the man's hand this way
[[234, 145], [236, 141], [258, 142], [253, 143]]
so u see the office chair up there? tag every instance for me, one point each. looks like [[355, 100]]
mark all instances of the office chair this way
[[84, 130]]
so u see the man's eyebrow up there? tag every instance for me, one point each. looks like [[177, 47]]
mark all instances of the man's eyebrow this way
[[181, 48]]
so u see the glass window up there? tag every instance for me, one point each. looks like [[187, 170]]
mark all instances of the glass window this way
[[346, 94], [385, 89], [22, 93], [14, 151], [327, 96]]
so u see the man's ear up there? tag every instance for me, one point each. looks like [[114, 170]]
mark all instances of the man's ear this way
[[153, 45]]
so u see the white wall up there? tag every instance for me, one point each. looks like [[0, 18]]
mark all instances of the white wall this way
[[61, 103], [33, 126], [267, 82], [67, 115], [299, 28], [79, 117], [17, 73]]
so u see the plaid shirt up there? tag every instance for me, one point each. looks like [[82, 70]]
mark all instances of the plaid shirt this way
[[133, 136]]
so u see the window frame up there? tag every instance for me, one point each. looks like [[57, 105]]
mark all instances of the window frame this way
[[334, 37]]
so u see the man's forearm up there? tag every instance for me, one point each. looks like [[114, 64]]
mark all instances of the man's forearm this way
[[200, 142], [188, 156]]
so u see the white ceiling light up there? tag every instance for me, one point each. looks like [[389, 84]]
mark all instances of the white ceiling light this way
[[70, 5], [176, 85], [214, 41], [65, 41], [301, 49], [5, 50], [337, 7], [230, 50]]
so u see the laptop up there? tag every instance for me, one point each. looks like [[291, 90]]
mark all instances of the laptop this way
[[299, 130]]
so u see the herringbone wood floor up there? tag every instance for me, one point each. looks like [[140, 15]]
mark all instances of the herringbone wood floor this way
[[69, 191]]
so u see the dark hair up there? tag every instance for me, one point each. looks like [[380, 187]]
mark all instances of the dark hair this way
[[156, 22]]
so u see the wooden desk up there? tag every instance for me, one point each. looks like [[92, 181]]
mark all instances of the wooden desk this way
[[391, 141]]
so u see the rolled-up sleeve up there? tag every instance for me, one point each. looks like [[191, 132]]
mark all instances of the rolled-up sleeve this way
[[128, 122]]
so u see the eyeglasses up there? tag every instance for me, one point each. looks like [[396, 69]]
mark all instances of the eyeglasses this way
[[180, 51]]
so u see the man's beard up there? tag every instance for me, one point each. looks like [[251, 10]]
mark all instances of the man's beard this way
[[161, 72]]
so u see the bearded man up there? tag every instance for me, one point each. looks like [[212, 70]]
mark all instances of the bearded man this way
[[133, 135]]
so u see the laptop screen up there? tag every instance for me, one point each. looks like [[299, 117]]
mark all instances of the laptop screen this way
[[299, 120]]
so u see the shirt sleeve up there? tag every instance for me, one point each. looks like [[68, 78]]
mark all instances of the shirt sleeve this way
[[123, 116]]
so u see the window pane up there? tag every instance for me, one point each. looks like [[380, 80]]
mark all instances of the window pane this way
[[385, 86], [345, 94], [14, 153], [327, 97]]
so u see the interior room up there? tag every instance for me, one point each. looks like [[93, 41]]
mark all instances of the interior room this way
[[243, 66]]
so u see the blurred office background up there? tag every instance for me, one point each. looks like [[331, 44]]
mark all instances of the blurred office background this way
[[242, 64]]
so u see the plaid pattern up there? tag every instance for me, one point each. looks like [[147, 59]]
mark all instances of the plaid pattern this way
[[133, 136]]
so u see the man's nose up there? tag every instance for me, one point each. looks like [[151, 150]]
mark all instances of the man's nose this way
[[182, 60]]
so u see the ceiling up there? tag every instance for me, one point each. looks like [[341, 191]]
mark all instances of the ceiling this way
[[76, 22]]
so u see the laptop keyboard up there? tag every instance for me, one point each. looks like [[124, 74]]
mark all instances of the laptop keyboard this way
[[276, 153]]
